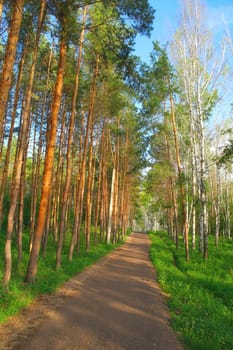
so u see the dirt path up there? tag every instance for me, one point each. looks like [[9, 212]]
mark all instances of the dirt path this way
[[113, 305]]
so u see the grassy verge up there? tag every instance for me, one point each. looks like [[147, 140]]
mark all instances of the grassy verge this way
[[20, 295], [200, 292]]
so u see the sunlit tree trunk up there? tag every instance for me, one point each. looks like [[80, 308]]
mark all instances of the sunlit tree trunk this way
[[36, 179], [6, 75], [182, 189], [172, 187], [109, 231], [58, 178], [69, 145], [10, 138], [21, 208], [116, 185], [48, 167], [22, 145], [79, 204], [98, 199], [1, 7], [90, 179]]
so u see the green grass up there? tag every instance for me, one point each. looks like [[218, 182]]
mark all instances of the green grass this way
[[200, 292], [19, 295]]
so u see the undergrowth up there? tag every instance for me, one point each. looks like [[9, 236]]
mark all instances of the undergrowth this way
[[19, 295], [200, 292]]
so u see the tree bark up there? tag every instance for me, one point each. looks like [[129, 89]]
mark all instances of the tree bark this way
[[69, 145], [182, 189], [48, 167], [36, 179], [9, 59], [22, 145], [109, 232], [10, 138], [79, 204], [1, 7]]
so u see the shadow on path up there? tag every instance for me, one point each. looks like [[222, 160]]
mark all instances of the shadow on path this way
[[114, 305]]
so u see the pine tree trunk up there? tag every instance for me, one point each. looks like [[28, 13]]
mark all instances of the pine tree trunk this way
[[46, 231], [1, 7], [109, 232], [79, 204], [9, 59], [36, 179], [21, 151], [69, 145], [57, 183], [21, 209], [87, 229], [98, 199], [10, 138], [48, 167]]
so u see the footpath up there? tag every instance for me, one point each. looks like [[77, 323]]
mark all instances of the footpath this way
[[115, 304]]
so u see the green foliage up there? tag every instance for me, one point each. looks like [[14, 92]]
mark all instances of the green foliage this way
[[137, 11], [19, 295], [200, 292], [227, 154]]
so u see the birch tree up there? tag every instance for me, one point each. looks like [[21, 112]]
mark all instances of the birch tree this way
[[199, 71]]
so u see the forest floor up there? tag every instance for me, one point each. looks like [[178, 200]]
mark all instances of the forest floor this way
[[115, 304]]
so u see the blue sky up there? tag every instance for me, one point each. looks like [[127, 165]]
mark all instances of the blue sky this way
[[165, 24], [167, 14]]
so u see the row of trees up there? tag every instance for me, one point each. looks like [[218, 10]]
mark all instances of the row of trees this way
[[193, 192], [69, 130]]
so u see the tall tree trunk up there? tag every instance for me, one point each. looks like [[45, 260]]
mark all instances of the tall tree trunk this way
[[172, 187], [182, 189], [1, 7], [57, 183], [48, 167], [203, 200], [22, 146], [100, 177], [109, 232], [217, 217], [79, 204], [36, 179], [87, 229], [21, 209], [194, 188], [116, 184], [10, 52], [228, 219], [124, 186], [69, 145], [79, 191], [10, 138]]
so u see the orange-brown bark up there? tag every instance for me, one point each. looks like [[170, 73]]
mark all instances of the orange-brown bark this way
[[9, 59], [48, 167]]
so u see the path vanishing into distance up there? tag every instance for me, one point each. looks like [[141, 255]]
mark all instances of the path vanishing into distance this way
[[115, 304]]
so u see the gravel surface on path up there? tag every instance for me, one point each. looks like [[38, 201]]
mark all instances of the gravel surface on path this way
[[115, 304]]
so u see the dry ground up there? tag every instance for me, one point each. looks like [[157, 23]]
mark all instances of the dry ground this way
[[114, 305]]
